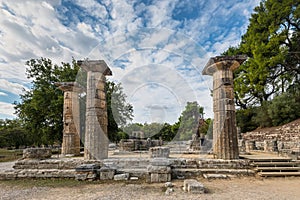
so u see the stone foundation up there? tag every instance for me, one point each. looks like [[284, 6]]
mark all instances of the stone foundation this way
[[37, 153], [153, 170]]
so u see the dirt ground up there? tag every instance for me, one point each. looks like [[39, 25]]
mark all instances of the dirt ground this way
[[237, 188]]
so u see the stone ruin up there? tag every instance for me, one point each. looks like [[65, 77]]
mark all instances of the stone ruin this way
[[159, 167], [225, 139], [200, 142], [138, 142], [283, 139], [71, 119]]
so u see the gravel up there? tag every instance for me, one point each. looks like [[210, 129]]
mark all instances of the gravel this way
[[237, 188]]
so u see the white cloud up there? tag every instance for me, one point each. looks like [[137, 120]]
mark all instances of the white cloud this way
[[15, 88], [3, 94], [7, 109], [115, 31]]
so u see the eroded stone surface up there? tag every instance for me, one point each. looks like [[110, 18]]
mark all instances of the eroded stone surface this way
[[224, 128], [37, 153], [96, 138], [193, 186]]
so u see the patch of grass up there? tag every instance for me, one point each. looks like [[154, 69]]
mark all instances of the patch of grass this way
[[10, 155]]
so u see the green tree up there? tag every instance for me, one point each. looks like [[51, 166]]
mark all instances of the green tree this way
[[41, 107], [119, 111], [13, 134], [189, 120], [272, 44]]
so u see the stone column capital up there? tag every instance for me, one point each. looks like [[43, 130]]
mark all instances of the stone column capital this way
[[95, 66], [223, 63], [69, 87]]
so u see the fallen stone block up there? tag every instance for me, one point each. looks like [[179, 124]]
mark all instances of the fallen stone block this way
[[193, 186], [168, 184], [121, 177], [106, 173], [134, 178]]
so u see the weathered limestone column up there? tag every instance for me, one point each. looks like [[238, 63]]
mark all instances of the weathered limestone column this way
[[96, 138], [225, 141], [71, 132]]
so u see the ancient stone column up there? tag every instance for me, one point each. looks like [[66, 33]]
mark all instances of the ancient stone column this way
[[225, 141], [71, 119], [96, 138]]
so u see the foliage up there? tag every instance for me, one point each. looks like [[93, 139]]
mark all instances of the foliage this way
[[13, 134], [189, 121], [263, 83], [119, 111], [272, 44], [280, 110], [187, 124], [41, 108]]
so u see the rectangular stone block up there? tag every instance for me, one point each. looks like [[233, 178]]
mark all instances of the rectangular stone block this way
[[121, 177], [159, 152], [193, 186], [159, 178], [159, 169], [160, 162], [106, 173]]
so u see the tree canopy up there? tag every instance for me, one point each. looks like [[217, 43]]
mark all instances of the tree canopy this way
[[272, 45], [267, 84], [41, 107]]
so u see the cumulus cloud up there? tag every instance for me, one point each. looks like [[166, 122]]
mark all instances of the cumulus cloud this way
[[14, 88], [153, 47], [7, 110]]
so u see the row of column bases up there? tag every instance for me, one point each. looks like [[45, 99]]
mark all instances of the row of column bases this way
[[96, 138]]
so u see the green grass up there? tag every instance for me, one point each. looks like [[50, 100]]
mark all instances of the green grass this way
[[10, 155]]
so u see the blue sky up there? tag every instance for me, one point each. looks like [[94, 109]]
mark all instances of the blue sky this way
[[155, 48]]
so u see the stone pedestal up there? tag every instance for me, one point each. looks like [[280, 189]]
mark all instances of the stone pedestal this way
[[224, 128], [71, 131], [96, 139], [159, 171]]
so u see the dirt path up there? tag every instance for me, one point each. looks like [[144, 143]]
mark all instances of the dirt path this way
[[238, 188]]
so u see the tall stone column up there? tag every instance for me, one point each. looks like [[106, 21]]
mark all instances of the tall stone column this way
[[225, 141], [96, 138], [71, 119]]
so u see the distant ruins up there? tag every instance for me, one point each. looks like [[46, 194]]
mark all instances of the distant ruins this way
[[138, 142]]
